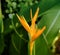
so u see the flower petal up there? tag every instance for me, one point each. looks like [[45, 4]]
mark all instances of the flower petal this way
[[36, 15], [34, 18], [31, 13], [39, 32], [24, 23]]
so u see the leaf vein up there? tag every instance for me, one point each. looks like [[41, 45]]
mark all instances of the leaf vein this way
[[54, 21]]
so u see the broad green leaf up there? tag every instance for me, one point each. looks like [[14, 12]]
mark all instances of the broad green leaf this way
[[51, 19], [44, 5], [18, 45]]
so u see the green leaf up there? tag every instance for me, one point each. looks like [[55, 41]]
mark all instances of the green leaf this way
[[1, 20], [51, 19], [18, 45], [1, 32], [44, 5]]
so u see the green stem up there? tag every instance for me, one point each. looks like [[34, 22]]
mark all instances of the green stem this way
[[1, 20], [15, 46], [31, 52], [34, 48], [17, 32], [28, 48]]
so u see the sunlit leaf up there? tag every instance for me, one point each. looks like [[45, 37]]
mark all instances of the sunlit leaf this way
[[51, 19]]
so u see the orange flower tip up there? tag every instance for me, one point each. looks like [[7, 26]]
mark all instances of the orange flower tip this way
[[44, 28], [18, 16], [38, 8], [39, 32], [31, 13], [35, 16]]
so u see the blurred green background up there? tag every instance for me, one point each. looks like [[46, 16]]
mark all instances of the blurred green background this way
[[13, 36]]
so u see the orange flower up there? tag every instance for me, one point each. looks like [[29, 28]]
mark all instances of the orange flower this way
[[34, 33]]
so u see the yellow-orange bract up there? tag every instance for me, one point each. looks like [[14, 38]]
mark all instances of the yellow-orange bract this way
[[32, 30]]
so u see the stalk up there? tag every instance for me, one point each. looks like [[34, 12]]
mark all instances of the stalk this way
[[31, 48]]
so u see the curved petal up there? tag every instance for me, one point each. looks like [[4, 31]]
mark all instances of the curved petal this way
[[34, 18], [38, 33], [24, 23]]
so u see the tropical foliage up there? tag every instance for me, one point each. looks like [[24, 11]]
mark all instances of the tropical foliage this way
[[14, 38]]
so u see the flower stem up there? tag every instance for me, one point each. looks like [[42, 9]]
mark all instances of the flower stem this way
[[31, 47], [34, 48]]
